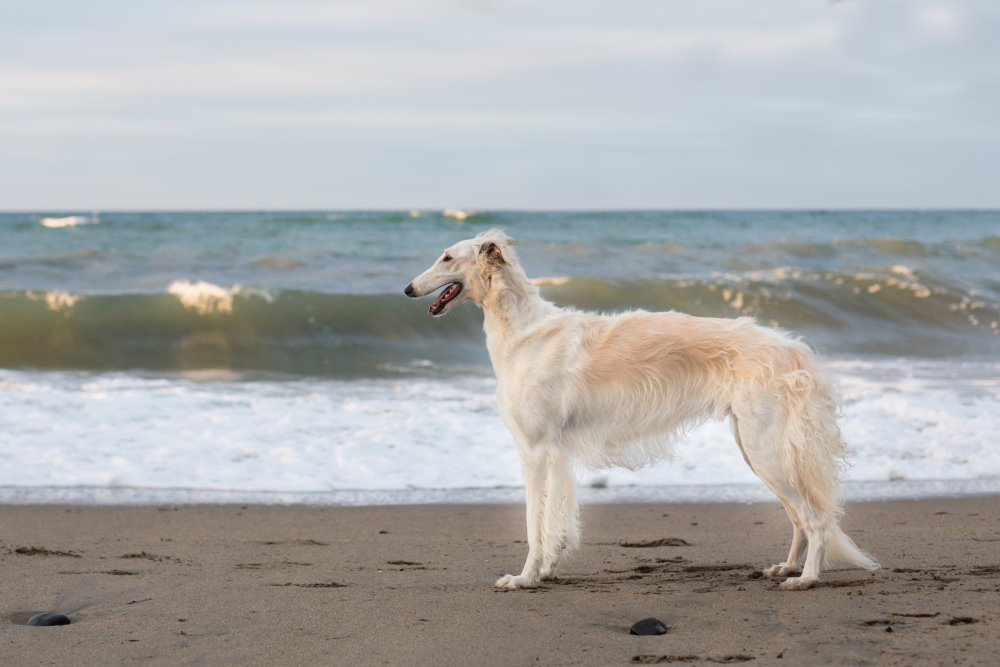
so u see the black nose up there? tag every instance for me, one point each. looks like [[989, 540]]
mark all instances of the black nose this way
[[409, 290]]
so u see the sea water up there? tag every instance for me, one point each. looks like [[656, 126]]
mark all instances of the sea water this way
[[215, 356]]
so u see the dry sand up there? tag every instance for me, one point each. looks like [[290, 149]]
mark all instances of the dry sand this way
[[412, 585]]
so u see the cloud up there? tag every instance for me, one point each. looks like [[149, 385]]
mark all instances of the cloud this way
[[356, 69], [940, 22], [727, 44], [634, 94], [313, 15]]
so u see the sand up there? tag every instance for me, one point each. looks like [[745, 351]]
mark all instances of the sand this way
[[411, 585]]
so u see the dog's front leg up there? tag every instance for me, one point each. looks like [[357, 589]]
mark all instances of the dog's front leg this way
[[534, 467], [560, 517]]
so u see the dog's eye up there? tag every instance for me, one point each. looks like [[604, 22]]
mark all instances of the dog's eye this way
[[446, 258]]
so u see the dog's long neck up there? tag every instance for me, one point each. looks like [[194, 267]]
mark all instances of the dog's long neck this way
[[512, 308]]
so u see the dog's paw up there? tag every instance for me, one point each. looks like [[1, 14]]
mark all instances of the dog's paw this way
[[798, 583], [510, 582], [780, 570]]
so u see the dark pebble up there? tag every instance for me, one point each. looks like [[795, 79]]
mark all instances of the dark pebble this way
[[48, 618], [649, 626]]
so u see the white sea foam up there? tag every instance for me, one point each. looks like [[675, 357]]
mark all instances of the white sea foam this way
[[552, 281], [457, 214], [207, 298], [202, 297], [69, 221], [905, 422], [55, 299]]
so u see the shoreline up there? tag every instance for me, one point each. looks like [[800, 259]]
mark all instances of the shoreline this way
[[868, 491], [412, 584]]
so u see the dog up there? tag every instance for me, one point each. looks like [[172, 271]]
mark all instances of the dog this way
[[579, 388]]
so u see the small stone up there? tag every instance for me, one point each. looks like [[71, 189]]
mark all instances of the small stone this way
[[649, 626], [48, 618]]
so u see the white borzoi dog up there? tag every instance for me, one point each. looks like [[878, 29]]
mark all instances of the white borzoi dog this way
[[600, 390]]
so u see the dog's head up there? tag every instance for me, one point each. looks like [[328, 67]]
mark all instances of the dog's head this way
[[464, 270]]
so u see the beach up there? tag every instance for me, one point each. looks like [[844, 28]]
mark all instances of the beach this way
[[229, 438], [275, 391], [412, 584]]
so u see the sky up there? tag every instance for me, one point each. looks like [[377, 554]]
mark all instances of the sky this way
[[552, 104]]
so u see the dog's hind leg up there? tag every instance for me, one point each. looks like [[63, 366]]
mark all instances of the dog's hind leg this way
[[791, 440], [759, 437], [535, 468], [560, 523], [797, 552]]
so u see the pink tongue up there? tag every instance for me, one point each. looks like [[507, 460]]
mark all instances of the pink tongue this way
[[445, 295]]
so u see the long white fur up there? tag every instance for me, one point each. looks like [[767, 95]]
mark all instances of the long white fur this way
[[579, 388]]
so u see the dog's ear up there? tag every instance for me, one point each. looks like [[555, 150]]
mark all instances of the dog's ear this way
[[491, 254]]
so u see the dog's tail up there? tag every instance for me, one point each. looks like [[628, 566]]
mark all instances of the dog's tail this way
[[814, 454], [841, 549]]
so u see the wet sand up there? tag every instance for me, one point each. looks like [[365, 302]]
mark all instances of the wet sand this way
[[411, 585]]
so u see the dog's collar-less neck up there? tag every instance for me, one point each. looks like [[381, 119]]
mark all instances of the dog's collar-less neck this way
[[512, 307]]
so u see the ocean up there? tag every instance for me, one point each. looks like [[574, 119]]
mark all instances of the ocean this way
[[272, 357]]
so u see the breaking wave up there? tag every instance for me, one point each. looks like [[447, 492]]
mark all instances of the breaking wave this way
[[895, 311]]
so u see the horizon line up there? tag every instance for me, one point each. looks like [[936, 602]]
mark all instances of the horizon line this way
[[474, 210]]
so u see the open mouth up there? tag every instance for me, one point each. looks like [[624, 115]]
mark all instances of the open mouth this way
[[449, 293]]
